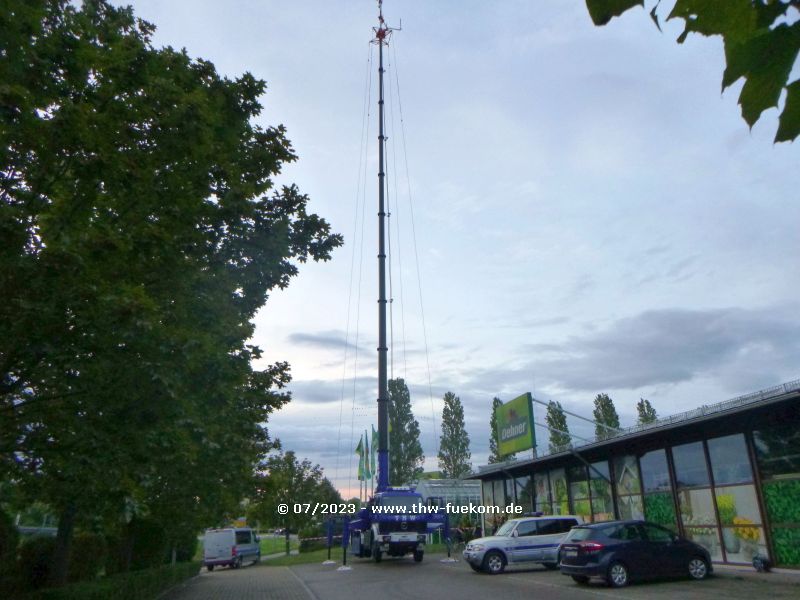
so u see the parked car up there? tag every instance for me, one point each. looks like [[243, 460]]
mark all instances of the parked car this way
[[532, 539], [231, 546], [623, 551]]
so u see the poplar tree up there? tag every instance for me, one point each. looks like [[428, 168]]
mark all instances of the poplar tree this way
[[454, 454], [494, 445], [647, 414], [494, 452], [604, 414], [405, 451], [556, 419]]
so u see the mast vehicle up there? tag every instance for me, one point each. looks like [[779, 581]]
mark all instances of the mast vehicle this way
[[396, 519]]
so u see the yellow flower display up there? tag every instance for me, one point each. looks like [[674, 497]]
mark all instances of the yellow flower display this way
[[748, 534]]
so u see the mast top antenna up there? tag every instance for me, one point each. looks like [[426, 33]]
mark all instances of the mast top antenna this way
[[383, 31]]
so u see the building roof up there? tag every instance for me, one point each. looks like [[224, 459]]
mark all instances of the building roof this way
[[740, 404]]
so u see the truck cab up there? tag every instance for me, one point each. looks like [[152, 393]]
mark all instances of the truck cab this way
[[393, 523]]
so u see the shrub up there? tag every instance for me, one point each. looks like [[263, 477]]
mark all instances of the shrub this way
[[141, 545], [312, 544], [136, 585], [87, 556], [9, 539], [35, 557], [186, 548]]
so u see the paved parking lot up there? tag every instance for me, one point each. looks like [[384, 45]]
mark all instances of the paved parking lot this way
[[402, 579]]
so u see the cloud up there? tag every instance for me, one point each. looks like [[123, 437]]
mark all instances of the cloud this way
[[324, 340], [674, 346], [324, 391]]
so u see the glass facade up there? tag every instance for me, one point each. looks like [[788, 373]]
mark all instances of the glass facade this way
[[579, 492], [659, 507], [778, 456], [541, 491], [524, 488], [600, 490], [628, 486], [737, 502], [558, 491], [735, 493], [695, 497]]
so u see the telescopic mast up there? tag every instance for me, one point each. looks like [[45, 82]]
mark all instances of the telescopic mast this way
[[382, 33]]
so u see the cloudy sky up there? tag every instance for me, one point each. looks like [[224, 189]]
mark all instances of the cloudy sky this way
[[591, 214]]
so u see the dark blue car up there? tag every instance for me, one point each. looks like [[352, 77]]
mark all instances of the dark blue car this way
[[623, 551]]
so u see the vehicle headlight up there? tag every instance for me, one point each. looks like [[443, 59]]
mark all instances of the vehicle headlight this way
[[476, 547]]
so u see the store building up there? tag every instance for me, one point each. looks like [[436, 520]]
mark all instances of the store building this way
[[726, 476], [455, 492]]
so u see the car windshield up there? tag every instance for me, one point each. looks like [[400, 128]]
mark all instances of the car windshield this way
[[578, 534], [506, 528]]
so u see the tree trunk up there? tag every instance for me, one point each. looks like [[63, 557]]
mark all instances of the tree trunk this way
[[60, 566], [287, 541]]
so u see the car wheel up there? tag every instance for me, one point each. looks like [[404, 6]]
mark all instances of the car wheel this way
[[550, 566], [210, 567], [377, 555], [580, 579], [494, 563], [698, 568], [617, 575], [418, 555]]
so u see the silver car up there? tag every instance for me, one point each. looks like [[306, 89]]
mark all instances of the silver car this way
[[529, 539]]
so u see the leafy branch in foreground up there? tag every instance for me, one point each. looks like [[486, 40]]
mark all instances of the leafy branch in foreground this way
[[761, 46]]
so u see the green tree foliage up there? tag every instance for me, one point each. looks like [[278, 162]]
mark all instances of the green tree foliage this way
[[494, 445], [405, 451], [141, 233], [647, 414], [494, 453], [286, 480], [604, 414], [761, 46], [556, 419], [454, 453]]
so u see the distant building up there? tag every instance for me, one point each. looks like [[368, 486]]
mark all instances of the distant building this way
[[725, 475], [456, 492]]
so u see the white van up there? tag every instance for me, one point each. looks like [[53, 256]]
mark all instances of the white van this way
[[230, 546]]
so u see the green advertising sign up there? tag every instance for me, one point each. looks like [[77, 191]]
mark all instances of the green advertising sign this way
[[515, 425]]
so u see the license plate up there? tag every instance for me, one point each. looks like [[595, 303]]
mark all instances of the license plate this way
[[570, 553]]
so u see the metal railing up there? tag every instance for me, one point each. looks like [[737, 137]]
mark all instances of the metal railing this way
[[702, 411]]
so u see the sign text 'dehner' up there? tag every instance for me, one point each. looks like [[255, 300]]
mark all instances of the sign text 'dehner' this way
[[513, 431], [515, 425]]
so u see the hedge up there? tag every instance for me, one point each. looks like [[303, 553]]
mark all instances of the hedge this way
[[146, 584]]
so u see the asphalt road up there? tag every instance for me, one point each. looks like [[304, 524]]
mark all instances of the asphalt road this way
[[402, 579]]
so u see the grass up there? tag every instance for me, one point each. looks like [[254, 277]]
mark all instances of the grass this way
[[270, 544], [317, 556], [274, 544]]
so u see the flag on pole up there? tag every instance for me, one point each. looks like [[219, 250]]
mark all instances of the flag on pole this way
[[374, 451], [367, 459], [360, 452]]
